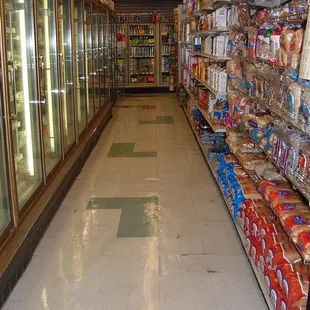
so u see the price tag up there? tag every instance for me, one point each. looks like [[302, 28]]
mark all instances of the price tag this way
[[164, 33]]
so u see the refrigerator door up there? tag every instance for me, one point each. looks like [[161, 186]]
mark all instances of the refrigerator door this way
[[66, 71], [48, 82], [166, 35], [101, 56], [89, 62], [24, 109], [5, 205], [95, 47], [80, 77], [142, 54], [106, 84]]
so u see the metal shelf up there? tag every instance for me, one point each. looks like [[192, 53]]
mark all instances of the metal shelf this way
[[277, 113], [216, 58], [151, 56], [212, 31], [215, 128], [212, 90]]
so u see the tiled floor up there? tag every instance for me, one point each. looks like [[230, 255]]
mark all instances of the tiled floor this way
[[143, 227]]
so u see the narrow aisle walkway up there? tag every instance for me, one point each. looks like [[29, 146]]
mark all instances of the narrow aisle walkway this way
[[143, 227]]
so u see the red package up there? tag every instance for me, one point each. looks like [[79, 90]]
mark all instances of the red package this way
[[284, 306], [275, 228], [270, 239], [296, 288], [270, 278], [283, 196], [281, 208], [259, 220], [282, 253], [247, 244], [296, 223], [255, 251], [265, 187], [286, 270], [276, 294], [303, 242]]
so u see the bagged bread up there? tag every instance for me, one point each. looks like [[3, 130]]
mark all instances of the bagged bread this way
[[296, 223], [284, 208], [303, 242], [283, 196]]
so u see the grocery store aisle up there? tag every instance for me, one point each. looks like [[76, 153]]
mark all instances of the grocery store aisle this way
[[143, 227]]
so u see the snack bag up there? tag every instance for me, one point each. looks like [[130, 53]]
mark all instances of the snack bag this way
[[296, 288], [282, 253]]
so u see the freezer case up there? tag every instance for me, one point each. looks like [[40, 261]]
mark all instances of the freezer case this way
[[166, 37], [142, 54], [23, 97]]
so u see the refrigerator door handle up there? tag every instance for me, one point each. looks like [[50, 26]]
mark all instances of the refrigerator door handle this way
[[13, 103]]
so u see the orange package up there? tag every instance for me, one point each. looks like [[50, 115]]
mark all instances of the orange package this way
[[255, 251], [296, 223], [248, 214], [281, 253], [270, 278], [286, 270], [283, 208], [284, 306], [283, 196], [303, 242], [266, 186], [296, 288], [273, 238]]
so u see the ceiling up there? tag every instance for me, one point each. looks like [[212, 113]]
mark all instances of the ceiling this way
[[145, 6]]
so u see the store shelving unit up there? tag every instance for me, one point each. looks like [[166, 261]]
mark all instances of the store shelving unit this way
[[215, 128], [205, 84], [260, 280], [142, 54], [166, 35], [189, 66]]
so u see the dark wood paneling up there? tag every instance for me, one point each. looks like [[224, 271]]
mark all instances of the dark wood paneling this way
[[145, 6]]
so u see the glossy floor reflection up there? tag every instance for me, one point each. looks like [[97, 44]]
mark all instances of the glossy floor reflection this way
[[142, 228]]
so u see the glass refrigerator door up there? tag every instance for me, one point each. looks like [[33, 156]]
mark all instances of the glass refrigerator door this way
[[48, 82], [80, 65], [66, 71], [106, 82], [113, 60], [96, 76], [142, 54], [5, 212], [166, 37], [23, 96], [101, 59], [121, 54], [88, 62]]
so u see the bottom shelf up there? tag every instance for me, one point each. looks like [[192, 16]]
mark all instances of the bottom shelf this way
[[259, 277]]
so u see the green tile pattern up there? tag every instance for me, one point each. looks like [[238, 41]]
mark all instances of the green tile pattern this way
[[166, 119], [126, 150], [139, 215]]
